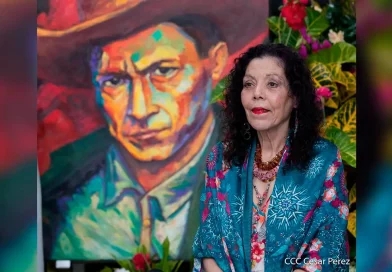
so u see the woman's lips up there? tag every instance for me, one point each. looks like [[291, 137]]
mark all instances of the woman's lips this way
[[259, 110]]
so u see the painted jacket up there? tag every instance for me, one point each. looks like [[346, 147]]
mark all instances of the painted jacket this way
[[306, 221]]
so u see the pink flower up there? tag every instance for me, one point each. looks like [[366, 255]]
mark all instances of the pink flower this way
[[323, 92], [304, 2], [336, 203], [303, 51], [329, 194], [221, 196], [211, 182], [220, 174], [343, 211], [328, 183]]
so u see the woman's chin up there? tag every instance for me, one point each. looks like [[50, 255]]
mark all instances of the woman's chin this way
[[260, 126]]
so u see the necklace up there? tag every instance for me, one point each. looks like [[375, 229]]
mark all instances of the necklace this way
[[266, 172], [265, 176], [261, 198], [266, 166]]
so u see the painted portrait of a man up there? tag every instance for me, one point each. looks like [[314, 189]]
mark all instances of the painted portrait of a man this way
[[151, 67]]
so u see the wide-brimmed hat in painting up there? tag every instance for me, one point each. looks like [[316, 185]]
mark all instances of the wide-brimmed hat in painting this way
[[70, 27]]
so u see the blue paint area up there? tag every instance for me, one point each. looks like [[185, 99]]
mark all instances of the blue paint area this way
[[157, 35], [98, 98], [157, 98], [135, 57], [186, 82], [207, 100]]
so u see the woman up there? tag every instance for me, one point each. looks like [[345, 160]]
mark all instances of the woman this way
[[275, 196]]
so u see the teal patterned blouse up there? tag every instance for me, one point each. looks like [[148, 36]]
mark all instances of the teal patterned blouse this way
[[306, 221]]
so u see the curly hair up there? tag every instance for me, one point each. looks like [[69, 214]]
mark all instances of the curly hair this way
[[300, 86]]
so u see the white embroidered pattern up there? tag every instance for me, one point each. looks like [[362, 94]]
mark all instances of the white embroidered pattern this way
[[286, 205]]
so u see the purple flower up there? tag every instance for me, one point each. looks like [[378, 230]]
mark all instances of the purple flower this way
[[303, 32], [325, 44], [303, 51], [304, 35], [315, 46]]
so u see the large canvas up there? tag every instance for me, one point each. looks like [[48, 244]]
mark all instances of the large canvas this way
[[125, 117]]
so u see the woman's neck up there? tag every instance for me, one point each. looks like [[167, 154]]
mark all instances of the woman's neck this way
[[272, 141]]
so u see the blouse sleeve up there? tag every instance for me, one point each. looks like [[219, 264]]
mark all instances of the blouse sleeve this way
[[328, 249], [208, 241]]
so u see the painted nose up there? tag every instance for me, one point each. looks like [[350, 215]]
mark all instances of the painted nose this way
[[140, 107]]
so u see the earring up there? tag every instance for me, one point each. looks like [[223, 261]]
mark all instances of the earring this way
[[247, 134]]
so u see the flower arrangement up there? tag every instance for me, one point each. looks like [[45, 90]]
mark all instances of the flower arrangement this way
[[142, 262]]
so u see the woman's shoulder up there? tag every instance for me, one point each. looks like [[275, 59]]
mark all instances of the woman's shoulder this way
[[215, 159], [326, 149]]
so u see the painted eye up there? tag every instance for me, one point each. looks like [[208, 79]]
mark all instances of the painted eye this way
[[113, 82], [165, 71]]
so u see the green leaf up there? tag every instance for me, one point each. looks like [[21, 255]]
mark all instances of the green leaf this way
[[178, 265], [352, 223], [143, 250], [345, 118], [337, 74], [107, 269], [165, 258], [322, 77], [218, 92], [346, 146], [344, 78], [351, 88], [338, 53], [284, 33], [316, 22]]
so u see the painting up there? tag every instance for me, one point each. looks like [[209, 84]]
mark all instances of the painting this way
[[125, 118]]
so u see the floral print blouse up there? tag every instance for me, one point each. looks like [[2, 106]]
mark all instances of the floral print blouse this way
[[259, 237], [306, 223]]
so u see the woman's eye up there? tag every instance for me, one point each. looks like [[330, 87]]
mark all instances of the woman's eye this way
[[272, 84], [113, 82], [247, 84], [165, 71]]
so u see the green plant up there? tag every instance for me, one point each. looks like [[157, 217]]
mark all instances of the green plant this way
[[141, 261]]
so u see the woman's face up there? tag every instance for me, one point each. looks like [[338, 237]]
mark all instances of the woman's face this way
[[265, 94]]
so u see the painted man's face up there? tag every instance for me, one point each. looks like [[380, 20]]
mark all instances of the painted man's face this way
[[154, 90]]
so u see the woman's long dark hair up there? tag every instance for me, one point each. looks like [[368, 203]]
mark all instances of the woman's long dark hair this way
[[300, 86]]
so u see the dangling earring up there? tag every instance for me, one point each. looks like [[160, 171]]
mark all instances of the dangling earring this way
[[296, 123], [247, 134]]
